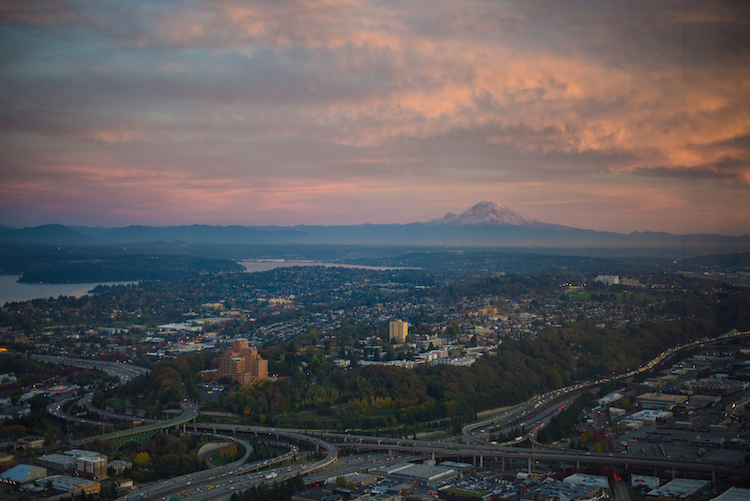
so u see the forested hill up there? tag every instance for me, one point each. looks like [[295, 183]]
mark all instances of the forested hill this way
[[377, 397], [367, 397], [40, 264]]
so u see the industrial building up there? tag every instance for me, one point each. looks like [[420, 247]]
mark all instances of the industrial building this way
[[679, 489], [551, 490], [587, 480], [75, 485], [420, 474], [651, 416], [660, 401], [23, 473], [60, 462]]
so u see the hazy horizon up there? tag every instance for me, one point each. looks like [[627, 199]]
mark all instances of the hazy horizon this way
[[73, 226], [608, 116]]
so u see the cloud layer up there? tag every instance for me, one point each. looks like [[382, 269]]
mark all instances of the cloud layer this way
[[618, 116]]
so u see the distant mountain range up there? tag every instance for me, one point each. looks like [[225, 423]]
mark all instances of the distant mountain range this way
[[486, 224]]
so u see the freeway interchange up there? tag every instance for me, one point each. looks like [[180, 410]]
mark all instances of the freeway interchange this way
[[219, 483]]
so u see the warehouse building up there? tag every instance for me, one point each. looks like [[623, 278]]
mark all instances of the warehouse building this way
[[420, 474], [587, 480], [76, 485], [552, 490], [679, 489], [23, 473], [651, 416], [660, 400]]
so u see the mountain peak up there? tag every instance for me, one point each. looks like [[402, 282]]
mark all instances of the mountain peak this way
[[484, 213]]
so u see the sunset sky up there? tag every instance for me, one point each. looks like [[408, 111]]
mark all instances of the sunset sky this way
[[620, 116]]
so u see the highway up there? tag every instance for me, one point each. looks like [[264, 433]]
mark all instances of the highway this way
[[55, 409], [523, 414], [216, 485], [219, 483], [497, 452], [189, 412], [198, 481], [125, 372]]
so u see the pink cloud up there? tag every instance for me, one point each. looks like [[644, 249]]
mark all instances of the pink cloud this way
[[284, 105], [113, 137]]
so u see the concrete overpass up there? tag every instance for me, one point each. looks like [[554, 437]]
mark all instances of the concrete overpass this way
[[481, 453], [142, 434]]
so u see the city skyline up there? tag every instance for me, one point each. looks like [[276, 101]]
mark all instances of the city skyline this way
[[601, 116]]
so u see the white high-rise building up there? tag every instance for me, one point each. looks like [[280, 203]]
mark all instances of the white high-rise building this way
[[608, 279]]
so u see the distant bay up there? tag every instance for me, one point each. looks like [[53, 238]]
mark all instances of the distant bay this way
[[11, 290]]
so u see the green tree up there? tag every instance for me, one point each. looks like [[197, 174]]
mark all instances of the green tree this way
[[341, 481]]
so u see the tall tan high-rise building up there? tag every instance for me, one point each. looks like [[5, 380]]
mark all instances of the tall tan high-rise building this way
[[242, 363], [398, 330]]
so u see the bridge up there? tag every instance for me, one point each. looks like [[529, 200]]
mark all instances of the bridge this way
[[479, 453], [142, 434]]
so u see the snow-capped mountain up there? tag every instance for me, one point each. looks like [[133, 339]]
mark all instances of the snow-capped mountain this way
[[485, 213]]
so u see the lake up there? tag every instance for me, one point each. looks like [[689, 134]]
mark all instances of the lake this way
[[11, 290]]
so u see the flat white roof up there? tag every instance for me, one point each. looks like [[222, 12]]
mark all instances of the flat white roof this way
[[80, 453], [585, 479], [648, 414], [60, 459], [66, 483], [680, 487]]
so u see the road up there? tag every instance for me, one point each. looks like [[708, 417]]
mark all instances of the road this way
[[218, 484], [125, 372], [523, 414], [621, 491], [189, 412]]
